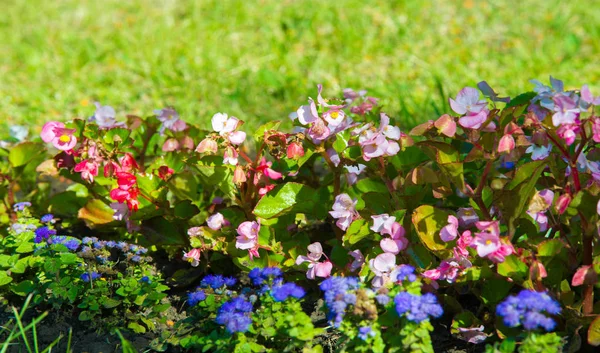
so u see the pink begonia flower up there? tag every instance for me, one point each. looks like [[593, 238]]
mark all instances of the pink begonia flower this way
[[568, 132], [62, 138], [195, 232], [506, 144], [383, 223], [502, 252], [121, 211], [265, 189], [586, 96], [295, 150], [223, 124], [318, 132], [315, 268], [239, 175], [192, 256], [488, 240], [237, 137], [247, 238], [566, 110], [207, 145], [334, 117], [88, 170], [323, 102], [354, 172], [382, 266], [584, 275], [334, 157], [598, 207], [562, 203], [307, 114], [467, 217], [170, 120], [230, 156], [264, 168], [170, 145], [473, 335], [446, 125], [105, 117], [450, 231], [465, 241], [540, 203], [389, 131], [596, 128], [467, 101], [474, 120], [449, 269], [344, 210], [397, 242], [539, 153], [359, 260], [216, 221]]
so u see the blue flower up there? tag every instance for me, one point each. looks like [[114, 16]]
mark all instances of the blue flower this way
[[284, 291], [382, 299], [196, 297], [136, 258], [338, 295], [86, 276], [417, 308], [70, 242], [43, 233], [20, 206], [111, 244], [145, 279], [47, 218], [235, 315], [405, 272], [260, 276], [526, 308], [364, 333], [88, 240], [141, 250]]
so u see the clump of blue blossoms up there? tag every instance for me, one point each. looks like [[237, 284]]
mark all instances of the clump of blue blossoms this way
[[284, 291], [260, 276], [70, 242], [43, 233], [365, 332], [217, 281], [527, 308], [417, 308], [235, 315], [339, 293], [406, 272], [196, 297], [87, 277]]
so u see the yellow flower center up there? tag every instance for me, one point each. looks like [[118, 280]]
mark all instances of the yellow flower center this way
[[488, 242], [334, 114], [64, 138]]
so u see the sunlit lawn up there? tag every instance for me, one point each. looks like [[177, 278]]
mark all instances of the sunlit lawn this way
[[259, 60]]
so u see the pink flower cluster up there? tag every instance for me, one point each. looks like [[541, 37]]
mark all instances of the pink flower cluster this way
[[381, 142], [344, 210], [248, 238], [315, 267], [385, 224], [473, 110]]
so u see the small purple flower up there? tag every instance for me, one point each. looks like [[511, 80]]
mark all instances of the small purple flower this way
[[467, 101], [87, 277], [365, 332], [405, 272], [71, 243], [235, 315], [450, 231], [48, 218], [196, 297], [111, 244], [21, 206], [467, 217], [136, 258], [170, 120], [283, 292], [566, 110], [417, 308], [43, 233], [260, 276], [382, 299], [217, 281], [336, 296], [145, 279], [539, 153], [527, 308], [105, 117]]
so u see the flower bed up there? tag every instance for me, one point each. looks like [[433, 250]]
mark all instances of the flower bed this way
[[346, 234]]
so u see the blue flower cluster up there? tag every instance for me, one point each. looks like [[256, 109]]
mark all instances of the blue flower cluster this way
[[21, 206], [282, 292], [86, 277], [338, 295], [235, 315], [261, 276], [70, 242], [19, 228], [527, 308], [364, 333], [406, 272], [132, 251], [217, 281], [48, 218], [417, 308], [196, 297], [43, 233]]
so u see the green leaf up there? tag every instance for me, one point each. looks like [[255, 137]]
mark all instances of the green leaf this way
[[116, 136], [23, 153], [372, 185], [594, 332], [110, 303], [4, 278], [185, 209], [514, 268], [23, 288], [259, 135], [448, 159], [358, 230], [494, 290], [135, 327], [85, 316], [96, 212], [523, 98], [289, 198], [428, 222]]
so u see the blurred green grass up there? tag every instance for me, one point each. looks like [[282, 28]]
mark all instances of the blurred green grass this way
[[259, 60]]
